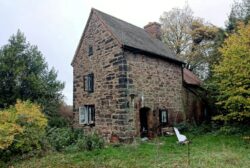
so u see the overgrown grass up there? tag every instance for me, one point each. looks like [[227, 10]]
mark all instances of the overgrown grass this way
[[205, 151]]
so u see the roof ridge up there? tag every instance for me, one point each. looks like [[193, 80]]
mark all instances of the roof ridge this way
[[132, 36], [94, 9], [154, 39]]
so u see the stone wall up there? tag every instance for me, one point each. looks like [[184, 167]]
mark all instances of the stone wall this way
[[193, 104], [123, 83], [157, 84], [109, 68]]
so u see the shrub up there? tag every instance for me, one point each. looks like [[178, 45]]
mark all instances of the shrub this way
[[234, 130], [229, 130], [60, 138], [8, 128], [64, 139], [90, 142], [182, 126], [33, 122], [22, 128]]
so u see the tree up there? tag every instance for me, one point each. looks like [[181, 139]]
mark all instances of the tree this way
[[231, 77], [240, 12], [190, 37], [25, 75]]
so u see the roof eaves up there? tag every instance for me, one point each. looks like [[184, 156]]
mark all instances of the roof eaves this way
[[133, 49]]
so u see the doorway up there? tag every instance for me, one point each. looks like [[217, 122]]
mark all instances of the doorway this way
[[144, 121]]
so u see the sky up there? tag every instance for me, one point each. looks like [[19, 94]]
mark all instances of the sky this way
[[55, 26]]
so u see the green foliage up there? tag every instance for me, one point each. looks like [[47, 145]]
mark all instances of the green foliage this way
[[25, 76], [206, 151], [66, 139], [28, 129], [229, 130], [90, 142], [8, 128], [33, 122], [240, 12], [60, 138], [231, 77]]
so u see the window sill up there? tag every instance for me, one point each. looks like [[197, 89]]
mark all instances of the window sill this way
[[90, 125]]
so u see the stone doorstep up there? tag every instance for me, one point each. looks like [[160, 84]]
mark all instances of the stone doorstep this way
[[167, 131]]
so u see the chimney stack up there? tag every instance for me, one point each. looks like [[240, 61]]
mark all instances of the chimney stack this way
[[153, 29]]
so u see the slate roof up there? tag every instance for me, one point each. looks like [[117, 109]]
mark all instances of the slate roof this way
[[136, 37]]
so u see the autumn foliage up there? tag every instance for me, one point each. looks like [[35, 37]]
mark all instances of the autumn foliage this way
[[232, 77], [22, 127]]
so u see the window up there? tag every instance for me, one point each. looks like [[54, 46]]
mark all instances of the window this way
[[87, 115], [163, 117], [89, 83], [90, 50]]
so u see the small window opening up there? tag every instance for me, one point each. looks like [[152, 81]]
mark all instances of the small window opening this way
[[90, 50]]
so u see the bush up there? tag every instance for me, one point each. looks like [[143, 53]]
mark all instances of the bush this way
[[24, 127], [234, 130], [197, 129], [182, 126], [90, 142], [33, 122], [60, 138], [229, 130], [66, 139], [8, 128]]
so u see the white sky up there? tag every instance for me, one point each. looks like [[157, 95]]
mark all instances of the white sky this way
[[55, 26]]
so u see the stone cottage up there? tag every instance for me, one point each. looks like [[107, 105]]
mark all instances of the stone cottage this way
[[127, 83]]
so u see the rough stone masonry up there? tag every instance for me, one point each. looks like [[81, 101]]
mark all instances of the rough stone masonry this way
[[125, 80]]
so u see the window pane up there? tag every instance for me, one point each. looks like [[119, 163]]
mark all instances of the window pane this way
[[85, 83], [86, 115], [164, 116], [89, 113], [93, 114], [92, 82], [90, 50], [81, 115]]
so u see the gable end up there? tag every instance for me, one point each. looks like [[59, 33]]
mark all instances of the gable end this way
[[93, 12]]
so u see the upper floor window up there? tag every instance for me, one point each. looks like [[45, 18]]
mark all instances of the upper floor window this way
[[89, 83], [90, 50], [87, 114]]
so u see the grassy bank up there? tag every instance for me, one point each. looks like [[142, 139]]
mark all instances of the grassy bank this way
[[205, 151]]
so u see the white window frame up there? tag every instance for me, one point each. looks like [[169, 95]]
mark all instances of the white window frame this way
[[82, 115], [85, 113]]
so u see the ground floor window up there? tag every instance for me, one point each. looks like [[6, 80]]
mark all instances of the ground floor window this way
[[87, 114], [163, 117]]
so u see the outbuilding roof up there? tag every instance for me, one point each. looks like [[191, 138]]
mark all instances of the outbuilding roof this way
[[190, 78]]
